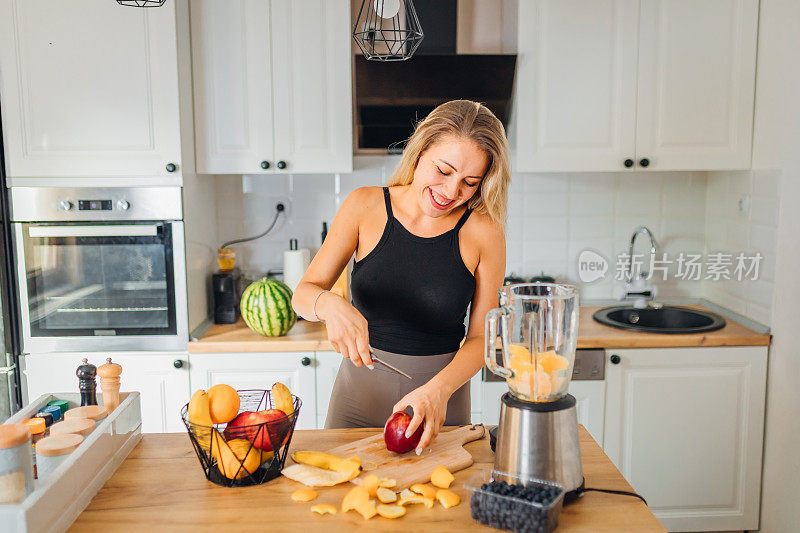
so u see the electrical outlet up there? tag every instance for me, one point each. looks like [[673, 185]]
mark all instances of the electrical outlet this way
[[743, 205]]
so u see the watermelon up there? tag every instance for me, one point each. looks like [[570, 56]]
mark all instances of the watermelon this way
[[266, 307]]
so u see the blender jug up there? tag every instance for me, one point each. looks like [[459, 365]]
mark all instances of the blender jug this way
[[538, 329]]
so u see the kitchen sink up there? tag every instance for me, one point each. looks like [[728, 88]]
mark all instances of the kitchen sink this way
[[665, 319]]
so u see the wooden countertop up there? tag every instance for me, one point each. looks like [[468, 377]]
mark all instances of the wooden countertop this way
[[311, 336], [161, 486]]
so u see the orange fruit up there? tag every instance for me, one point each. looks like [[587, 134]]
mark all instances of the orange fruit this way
[[223, 402]]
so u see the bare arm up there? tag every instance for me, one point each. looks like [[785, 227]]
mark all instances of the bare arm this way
[[429, 402], [346, 327]]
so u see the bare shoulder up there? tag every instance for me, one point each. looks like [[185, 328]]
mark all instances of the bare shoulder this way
[[361, 201], [486, 232]]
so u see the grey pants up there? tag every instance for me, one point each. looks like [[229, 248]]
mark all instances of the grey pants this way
[[364, 398]]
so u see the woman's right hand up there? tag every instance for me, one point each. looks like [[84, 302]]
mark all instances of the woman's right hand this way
[[347, 328]]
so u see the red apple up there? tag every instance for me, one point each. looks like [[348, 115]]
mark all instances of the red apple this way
[[247, 425], [394, 433]]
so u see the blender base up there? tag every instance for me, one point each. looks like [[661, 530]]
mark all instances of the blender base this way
[[540, 440]]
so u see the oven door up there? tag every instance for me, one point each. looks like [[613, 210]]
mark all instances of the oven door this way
[[102, 286]]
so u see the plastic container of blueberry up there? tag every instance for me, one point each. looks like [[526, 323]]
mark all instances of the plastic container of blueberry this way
[[515, 503]]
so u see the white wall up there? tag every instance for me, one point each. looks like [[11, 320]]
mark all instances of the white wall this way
[[551, 218], [777, 146], [742, 216]]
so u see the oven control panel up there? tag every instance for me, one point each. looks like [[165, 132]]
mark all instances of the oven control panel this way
[[94, 205], [45, 204]]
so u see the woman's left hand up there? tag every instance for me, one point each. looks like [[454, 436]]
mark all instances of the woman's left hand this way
[[429, 403]]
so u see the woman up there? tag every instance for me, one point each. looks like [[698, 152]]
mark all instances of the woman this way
[[427, 246]]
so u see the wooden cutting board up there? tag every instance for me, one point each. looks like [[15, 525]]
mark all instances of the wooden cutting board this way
[[410, 468]]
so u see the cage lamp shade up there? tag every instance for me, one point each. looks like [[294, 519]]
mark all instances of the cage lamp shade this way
[[141, 3], [387, 30]]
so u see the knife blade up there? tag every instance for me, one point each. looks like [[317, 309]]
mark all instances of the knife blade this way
[[390, 367]]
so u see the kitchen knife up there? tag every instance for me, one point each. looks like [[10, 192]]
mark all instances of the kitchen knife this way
[[390, 367]]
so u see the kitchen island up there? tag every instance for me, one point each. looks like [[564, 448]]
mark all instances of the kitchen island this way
[[161, 486]]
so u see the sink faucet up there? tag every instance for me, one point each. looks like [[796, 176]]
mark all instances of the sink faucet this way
[[638, 289]]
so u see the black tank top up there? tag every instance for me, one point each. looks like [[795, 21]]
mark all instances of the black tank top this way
[[413, 291]]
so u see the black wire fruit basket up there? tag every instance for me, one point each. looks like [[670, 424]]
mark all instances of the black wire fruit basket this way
[[249, 450]]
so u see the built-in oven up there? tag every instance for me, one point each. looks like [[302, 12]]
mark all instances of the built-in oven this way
[[100, 268]]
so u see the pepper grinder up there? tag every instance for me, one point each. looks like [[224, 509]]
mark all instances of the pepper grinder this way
[[86, 374], [109, 382]]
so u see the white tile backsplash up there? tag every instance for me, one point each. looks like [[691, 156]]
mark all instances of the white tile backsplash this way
[[551, 219], [732, 228]]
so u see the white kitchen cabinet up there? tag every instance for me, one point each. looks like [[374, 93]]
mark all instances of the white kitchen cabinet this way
[[576, 84], [232, 65], [327, 366], [590, 398], [272, 86], [260, 371], [697, 63], [685, 427], [89, 89], [162, 379], [614, 84]]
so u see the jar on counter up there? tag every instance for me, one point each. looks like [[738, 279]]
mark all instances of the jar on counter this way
[[93, 412], [47, 417], [16, 463], [53, 410], [78, 426], [38, 430], [53, 450], [63, 405]]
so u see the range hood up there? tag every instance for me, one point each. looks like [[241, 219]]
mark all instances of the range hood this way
[[391, 97]]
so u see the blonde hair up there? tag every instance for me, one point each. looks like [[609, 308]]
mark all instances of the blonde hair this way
[[473, 121]]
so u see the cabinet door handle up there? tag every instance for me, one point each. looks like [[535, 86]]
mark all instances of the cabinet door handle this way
[[644, 162], [628, 163], [171, 167], [615, 359], [281, 165], [305, 361], [265, 165], [177, 363]]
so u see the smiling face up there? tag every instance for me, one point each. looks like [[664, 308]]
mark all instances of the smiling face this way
[[448, 174]]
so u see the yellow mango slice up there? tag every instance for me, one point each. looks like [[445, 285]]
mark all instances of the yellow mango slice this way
[[312, 476], [390, 511], [371, 483], [551, 362], [304, 495], [354, 497], [447, 498], [388, 483], [386, 495], [441, 477], [425, 490], [323, 508], [367, 509]]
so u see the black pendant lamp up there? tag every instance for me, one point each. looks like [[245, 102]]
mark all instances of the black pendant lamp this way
[[141, 3], [387, 30]]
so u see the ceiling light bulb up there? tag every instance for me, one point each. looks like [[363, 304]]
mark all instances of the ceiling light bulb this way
[[386, 8]]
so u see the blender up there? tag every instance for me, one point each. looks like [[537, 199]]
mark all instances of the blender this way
[[537, 435]]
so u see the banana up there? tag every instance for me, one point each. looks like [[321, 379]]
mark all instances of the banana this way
[[200, 419], [203, 427], [282, 398], [328, 461]]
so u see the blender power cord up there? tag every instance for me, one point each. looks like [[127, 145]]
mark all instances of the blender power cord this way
[[612, 491], [278, 210]]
